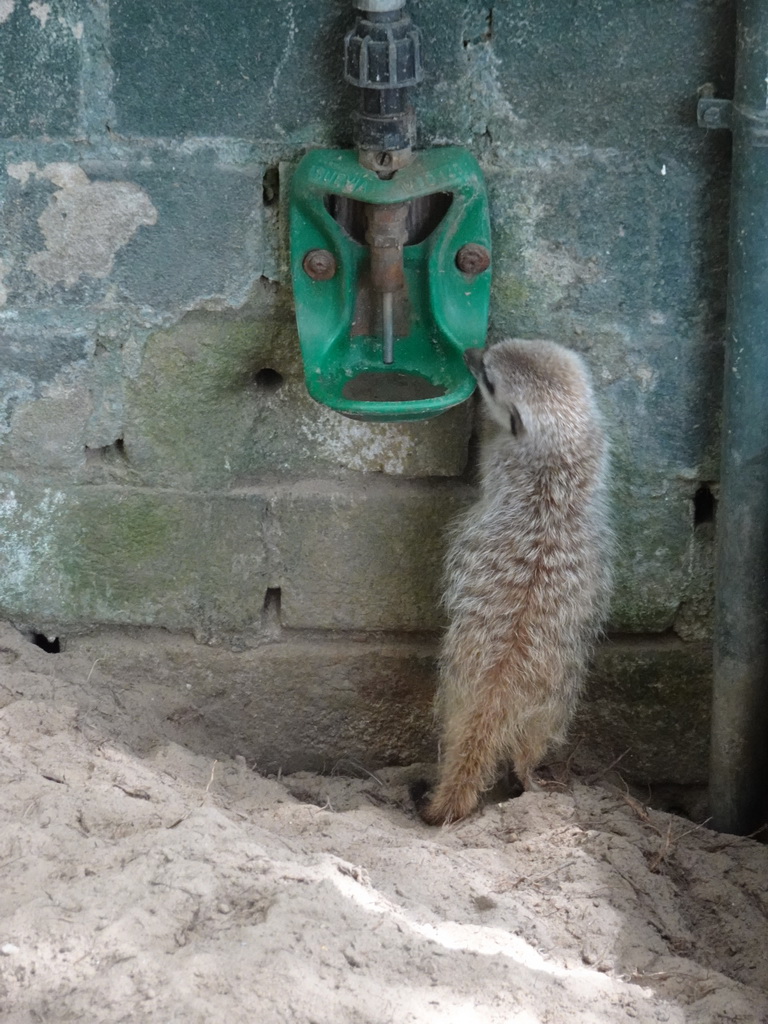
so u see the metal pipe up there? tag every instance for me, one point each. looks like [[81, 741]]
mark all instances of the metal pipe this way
[[382, 58], [739, 751], [386, 236], [388, 328]]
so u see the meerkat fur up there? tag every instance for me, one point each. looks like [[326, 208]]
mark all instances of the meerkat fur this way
[[527, 573]]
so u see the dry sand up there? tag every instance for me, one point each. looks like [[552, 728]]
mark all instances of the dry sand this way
[[147, 883]]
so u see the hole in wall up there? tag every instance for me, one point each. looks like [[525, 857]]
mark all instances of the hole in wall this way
[[704, 505], [270, 186], [484, 35], [108, 451], [270, 612], [49, 644], [268, 379]]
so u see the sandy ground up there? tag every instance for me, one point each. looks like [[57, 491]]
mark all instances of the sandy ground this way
[[156, 885]]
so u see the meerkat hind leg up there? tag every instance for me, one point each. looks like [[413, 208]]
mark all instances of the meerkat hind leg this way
[[528, 749], [531, 784]]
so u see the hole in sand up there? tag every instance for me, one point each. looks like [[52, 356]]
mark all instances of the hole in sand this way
[[51, 645]]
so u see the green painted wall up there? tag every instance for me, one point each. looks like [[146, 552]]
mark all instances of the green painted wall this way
[[148, 475]]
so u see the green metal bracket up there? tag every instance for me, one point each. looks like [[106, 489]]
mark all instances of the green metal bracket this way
[[447, 306]]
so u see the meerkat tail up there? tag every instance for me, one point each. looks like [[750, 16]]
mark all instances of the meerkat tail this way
[[472, 745]]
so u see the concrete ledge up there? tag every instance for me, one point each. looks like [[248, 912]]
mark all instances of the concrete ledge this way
[[323, 706], [325, 703]]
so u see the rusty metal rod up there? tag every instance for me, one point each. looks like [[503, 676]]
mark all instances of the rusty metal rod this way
[[386, 236], [388, 327]]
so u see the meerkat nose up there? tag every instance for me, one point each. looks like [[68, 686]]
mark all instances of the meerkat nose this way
[[473, 357]]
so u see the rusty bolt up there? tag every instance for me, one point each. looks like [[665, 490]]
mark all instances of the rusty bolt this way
[[473, 258], [319, 264]]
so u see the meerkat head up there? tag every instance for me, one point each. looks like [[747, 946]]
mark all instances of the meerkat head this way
[[533, 388]]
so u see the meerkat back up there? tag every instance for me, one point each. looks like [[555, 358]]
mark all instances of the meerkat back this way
[[527, 574]]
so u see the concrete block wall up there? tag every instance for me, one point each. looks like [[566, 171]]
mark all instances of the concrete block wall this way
[[161, 464]]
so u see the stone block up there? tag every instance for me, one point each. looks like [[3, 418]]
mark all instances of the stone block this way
[[647, 709], [48, 433], [695, 619], [369, 557], [654, 537], [67, 228], [220, 399], [41, 61], [61, 401], [521, 69], [76, 556], [43, 401], [206, 247], [190, 408], [237, 565], [364, 557], [300, 705], [39, 355], [270, 71], [576, 260], [333, 706], [163, 231]]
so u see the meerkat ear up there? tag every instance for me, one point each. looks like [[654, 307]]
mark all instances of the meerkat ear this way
[[515, 422]]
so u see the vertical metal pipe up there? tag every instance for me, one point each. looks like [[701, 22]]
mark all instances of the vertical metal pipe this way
[[739, 752], [388, 327]]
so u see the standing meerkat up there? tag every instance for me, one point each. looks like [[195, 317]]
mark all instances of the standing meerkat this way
[[527, 576]]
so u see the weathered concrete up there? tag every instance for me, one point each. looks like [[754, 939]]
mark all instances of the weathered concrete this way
[[121, 554], [155, 473], [646, 710], [304, 702], [42, 56], [200, 413], [367, 558]]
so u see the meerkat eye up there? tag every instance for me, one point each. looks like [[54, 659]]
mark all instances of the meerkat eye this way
[[490, 387]]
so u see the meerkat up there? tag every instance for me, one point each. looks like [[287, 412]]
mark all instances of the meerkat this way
[[527, 573]]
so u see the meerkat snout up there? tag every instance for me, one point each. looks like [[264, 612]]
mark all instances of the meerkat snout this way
[[500, 405]]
